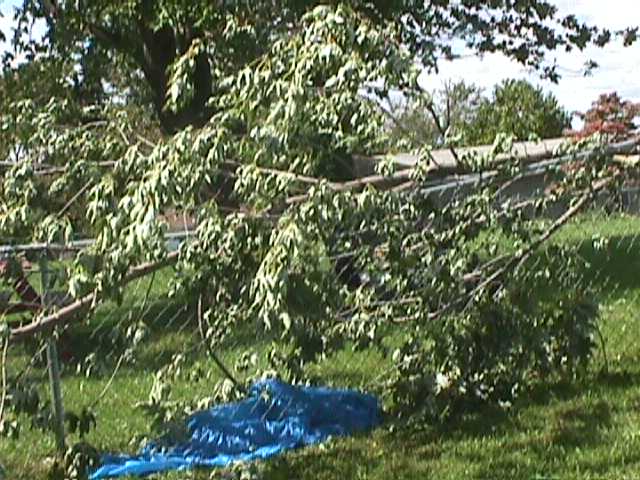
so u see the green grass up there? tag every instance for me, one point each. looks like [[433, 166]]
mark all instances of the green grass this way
[[586, 428]]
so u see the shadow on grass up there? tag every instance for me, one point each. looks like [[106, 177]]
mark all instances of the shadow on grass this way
[[615, 266], [349, 460], [170, 328], [558, 418], [483, 444]]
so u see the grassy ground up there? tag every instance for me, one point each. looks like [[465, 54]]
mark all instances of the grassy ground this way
[[587, 428]]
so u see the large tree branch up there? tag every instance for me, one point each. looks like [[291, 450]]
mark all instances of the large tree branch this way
[[515, 261], [400, 177], [67, 313]]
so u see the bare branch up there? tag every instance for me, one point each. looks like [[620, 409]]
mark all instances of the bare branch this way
[[436, 120]]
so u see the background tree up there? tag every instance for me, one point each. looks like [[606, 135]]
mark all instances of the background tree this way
[[443, 117], [460, 115], [610, 115], [517, 108], [149, 37]]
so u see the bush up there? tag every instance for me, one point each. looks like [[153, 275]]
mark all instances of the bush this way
[[517, 108]]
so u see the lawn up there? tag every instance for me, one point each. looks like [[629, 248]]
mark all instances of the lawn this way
[[587, 427]]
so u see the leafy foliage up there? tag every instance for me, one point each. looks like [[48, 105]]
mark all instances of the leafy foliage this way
[[518, 108], [77, 463], [160, 42]]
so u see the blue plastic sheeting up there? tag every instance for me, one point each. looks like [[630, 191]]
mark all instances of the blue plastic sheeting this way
[[275, 417]]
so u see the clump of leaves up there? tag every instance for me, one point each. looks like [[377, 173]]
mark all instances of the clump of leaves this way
[[77, 463], [80, 423], [495, 352]]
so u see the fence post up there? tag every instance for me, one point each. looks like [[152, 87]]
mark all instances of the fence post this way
[[56, 392], [53, 363]]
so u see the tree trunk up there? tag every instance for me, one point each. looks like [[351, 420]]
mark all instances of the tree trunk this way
[[160, 50]]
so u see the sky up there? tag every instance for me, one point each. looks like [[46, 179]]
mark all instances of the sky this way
[[619, 66]]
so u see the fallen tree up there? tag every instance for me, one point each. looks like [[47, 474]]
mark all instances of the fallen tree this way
[[68, 312], [478, 299]]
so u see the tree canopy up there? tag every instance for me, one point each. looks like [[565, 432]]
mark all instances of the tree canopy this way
[[440, 118], [518, 108], [610, 115], [171, 50], [460, 115]]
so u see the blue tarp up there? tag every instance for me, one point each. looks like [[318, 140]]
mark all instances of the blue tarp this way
[[274, 417]]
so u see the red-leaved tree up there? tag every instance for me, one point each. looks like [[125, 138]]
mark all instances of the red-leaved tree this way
[[610, 115]]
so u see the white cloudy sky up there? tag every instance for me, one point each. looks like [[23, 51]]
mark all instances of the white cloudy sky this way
[[619, 67]]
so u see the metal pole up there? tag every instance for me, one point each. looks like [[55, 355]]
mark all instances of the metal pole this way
[[56, 393], [53, 363]]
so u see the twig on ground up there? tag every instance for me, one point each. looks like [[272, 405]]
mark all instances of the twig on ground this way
[[211, 352]]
